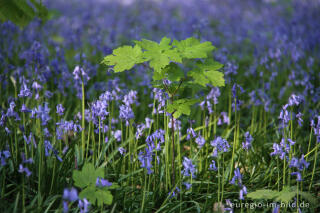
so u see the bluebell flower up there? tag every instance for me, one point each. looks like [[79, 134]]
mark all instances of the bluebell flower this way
[[130, 98], [247, 143], [121, 150], [191, 133], [36, 86], [235, 88], [230, 205], [238, 178], [126, 113], [11, 112], [25, 109], [188, 167], [213, 166], [60, 109], [299, 117], [24, 91], [188, 185], [46, 132], [174, 193], [316, 128], [276, 209], [284, 115], [225, 119], [42, 112], [220, 144], [64, 127], [70, 194], [149, 122], [26, 161], [200, 141], [8, 131], [117, 135], [242, 192], [214, 94], [146, 159], [84, 205], [299, 177], [80, 74], [100, 182], [48, 94], [4, 155], [65, 206], [160, 97], [140, 129], [24, 169], [294, 100], [47, 147]]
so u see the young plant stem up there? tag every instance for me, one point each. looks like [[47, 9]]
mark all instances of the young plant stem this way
[[314, 167], [173, 154], [83, 120]]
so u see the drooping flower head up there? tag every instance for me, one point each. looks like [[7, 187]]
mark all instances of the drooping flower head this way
[[188, 167]]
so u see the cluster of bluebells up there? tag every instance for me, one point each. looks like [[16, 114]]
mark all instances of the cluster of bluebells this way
[[282, 150], [60, 109], [299, 164], [71, 195], [42, 112], [100, 182], [220, 145], [213, 166], [30, 139], [48, 147], [174, 193], [4, 155], [285, 116], [211, 98], [188, 168], [64, 127], [154, 142], [125, 110], [247, 143], [11, 112], [24, 91], [80, 77], [223, 119], [200, 141], [238, 178], [142, 127], [236, 101], [316, 128], [191, 133], [260, 97], [160, 97], [22, 167]]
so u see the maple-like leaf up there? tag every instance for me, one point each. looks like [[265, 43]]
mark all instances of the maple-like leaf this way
[[159, 55], [191, 48], [124, 58]]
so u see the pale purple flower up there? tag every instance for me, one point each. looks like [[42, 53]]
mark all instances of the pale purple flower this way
[[70, 194], [121, 150], [117, 135], [60, 109], [24, 170], [100, 182], [213, 166], [188, 185], [188, 167], [247, 143], [200, 141], [84, 205]]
